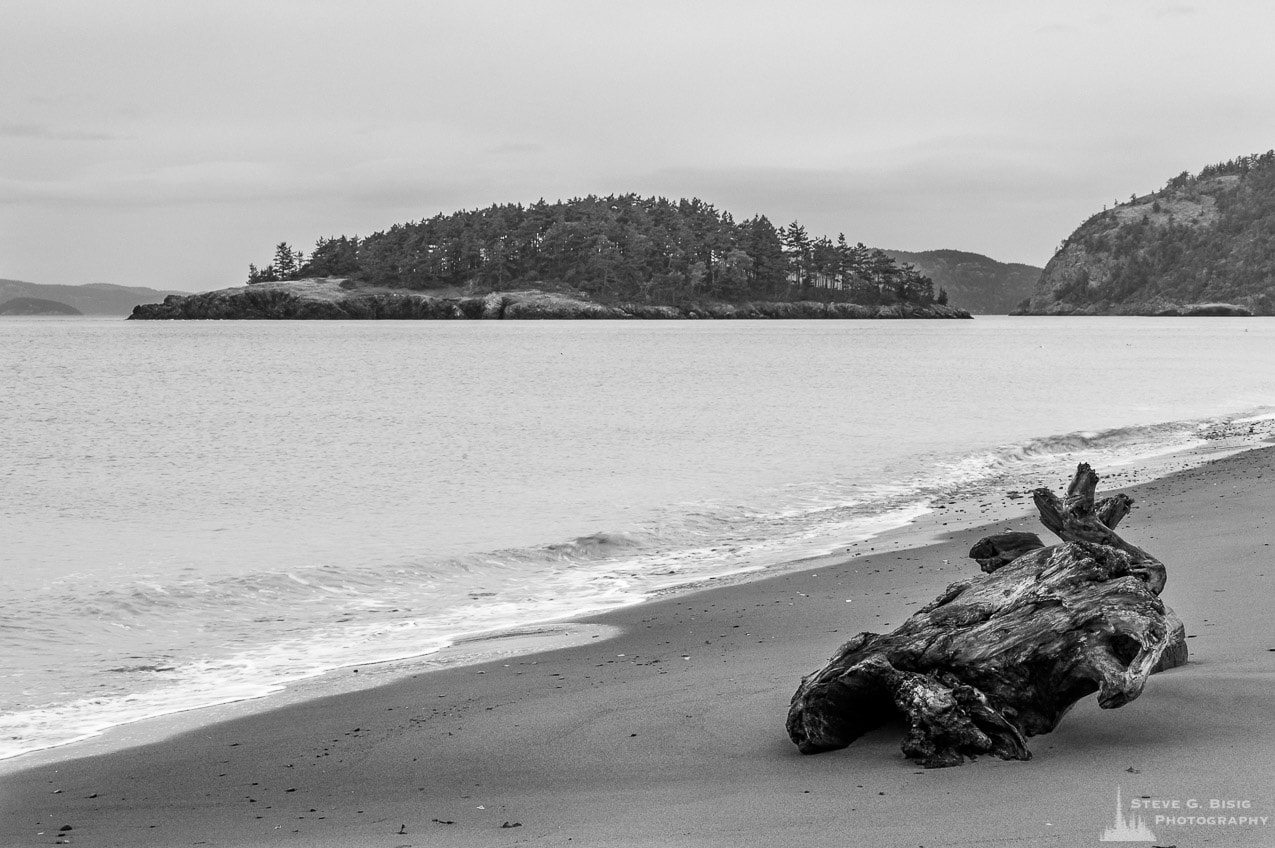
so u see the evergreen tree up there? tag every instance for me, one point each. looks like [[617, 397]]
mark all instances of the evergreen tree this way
[[797, 247], [332, 257], [285, 261]]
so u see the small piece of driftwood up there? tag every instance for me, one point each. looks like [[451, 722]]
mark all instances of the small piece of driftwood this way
[[1002, 656]]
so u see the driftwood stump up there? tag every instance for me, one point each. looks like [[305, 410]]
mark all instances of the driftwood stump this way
[[1003, 656]]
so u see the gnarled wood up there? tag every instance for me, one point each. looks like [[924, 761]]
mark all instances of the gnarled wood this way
[[991, 552], [1076, 518], [1002, 656]]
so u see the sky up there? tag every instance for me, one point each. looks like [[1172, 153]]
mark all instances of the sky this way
[[169, 144]]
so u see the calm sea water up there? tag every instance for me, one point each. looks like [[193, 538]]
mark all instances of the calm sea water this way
[[196, 512]]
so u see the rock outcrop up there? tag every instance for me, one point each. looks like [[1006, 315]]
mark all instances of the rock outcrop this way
[[333, 298]]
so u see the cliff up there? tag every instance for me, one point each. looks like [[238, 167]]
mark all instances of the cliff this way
[[1202, 245], [979, 283], [335, 298]]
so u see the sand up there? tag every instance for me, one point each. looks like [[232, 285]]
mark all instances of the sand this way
[[672, 732]]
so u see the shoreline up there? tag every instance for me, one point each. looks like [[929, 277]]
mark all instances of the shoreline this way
[[383, 541], [336, 298], [671, 732], [972, 509]]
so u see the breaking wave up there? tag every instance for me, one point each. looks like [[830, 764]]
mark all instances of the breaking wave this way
[[163, 646]]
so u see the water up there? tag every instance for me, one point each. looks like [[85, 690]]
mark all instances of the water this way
[[199, 512]]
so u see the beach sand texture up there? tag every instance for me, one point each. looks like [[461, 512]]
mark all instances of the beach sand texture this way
[[672, 733]]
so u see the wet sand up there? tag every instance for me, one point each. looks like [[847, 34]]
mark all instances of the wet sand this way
[[672, 733]]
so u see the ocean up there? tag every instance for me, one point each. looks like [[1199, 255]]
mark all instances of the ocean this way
[[197, 513]]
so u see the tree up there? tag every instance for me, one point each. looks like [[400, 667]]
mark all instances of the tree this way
[[286, 263], [762, 242], [797, 247], [917, 287], [263, 275], [332, 257], [731, 272]]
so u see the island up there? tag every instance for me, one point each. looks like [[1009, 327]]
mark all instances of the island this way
[[619, 256]]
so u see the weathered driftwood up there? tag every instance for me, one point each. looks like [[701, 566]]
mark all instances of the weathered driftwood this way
[[1004, 655]]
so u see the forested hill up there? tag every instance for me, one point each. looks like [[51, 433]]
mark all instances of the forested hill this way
[[980, 284], [1203, 244], [645, 250]]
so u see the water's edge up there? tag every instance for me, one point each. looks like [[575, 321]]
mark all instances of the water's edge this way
[[959, 514]]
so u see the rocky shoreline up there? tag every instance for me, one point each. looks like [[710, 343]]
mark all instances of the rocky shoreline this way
[[1146, 308], [333, 299]]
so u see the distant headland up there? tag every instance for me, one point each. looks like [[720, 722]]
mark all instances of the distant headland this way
[[89, 299], [978, 283], [1202, 245], [36, 306], [620, 256]]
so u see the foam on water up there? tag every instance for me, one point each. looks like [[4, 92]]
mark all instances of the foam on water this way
[[202, 512], [195, 642]]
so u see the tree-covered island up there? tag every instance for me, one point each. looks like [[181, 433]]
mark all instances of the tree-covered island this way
[[622, 248], [616, 256]]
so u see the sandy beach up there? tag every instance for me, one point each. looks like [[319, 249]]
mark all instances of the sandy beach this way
[[672, 733]]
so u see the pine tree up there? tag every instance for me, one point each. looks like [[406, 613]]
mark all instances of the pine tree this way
[[285, 261], [797, 246]]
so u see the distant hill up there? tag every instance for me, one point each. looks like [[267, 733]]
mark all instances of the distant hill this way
[[36, 306], [1202, 245], [91, 299], [976, 282]]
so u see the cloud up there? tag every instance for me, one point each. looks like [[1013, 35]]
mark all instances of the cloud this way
[[47, 133], [515, 148], [397, 184], [116, 184]]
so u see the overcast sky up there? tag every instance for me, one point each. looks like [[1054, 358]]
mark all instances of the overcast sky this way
[[169, 143]]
